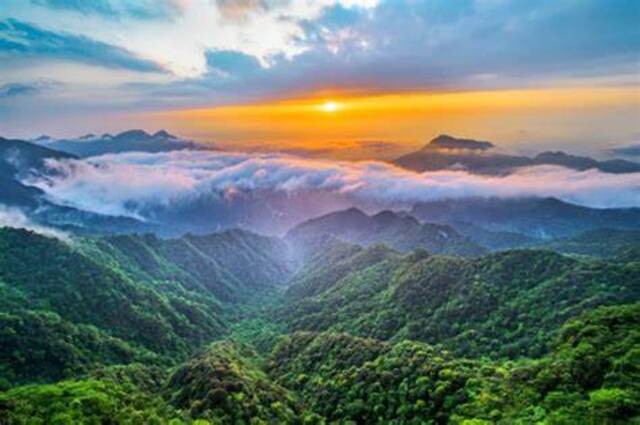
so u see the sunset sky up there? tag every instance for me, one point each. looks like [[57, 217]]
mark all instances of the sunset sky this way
[[343, 78]]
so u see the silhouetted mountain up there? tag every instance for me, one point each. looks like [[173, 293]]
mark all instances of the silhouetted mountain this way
[[535, 217], [127, 141], [446, 152], [447, 142], [400, 231], [584, 162]]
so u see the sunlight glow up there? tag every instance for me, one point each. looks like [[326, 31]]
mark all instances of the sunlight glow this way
[[330, 107], [405, 120]]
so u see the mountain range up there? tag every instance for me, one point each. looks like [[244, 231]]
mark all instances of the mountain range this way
[[126, 141], [541, 218], [447, 152], [399, 231]]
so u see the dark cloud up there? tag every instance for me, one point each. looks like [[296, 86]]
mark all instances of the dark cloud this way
[[20, 39], [139, 9]]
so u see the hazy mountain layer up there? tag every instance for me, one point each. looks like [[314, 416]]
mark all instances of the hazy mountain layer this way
[[127, 141], [399, 231], [543, 218], [446, 152]]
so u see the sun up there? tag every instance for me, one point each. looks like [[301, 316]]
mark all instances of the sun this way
[[330, 106]]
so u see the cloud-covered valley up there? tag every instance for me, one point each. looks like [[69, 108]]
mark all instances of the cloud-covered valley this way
[[224, 187]]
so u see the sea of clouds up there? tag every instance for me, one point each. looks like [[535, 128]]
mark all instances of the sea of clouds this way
[[132, 184]]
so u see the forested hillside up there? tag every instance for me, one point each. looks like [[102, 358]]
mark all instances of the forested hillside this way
[[228, 328], [68, 307], [503, 304]]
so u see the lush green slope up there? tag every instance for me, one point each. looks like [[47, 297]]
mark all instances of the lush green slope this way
[[119, 299], [504, 304], [231, 265], [362, 335], [59, 277], [57, 348], [118, 395], [591, 376], [226, 384]]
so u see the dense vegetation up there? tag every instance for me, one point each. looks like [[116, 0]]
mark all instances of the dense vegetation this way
[[137, 329], [504, 304], [116, 300], [591, 376]]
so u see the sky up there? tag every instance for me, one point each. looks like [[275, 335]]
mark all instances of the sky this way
[[350, 79]]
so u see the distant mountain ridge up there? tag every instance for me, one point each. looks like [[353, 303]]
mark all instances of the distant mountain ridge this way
[[541, 218], [401, 232], [126, 141], [447, 152]]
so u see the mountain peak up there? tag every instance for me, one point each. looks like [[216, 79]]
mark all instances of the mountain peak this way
[[163, 134], [445, 141], [352, 211], [133, 134]]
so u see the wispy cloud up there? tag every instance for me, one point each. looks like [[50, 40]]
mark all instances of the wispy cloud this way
[[134, 183], [24, 89], [140, 9], [21, 39]]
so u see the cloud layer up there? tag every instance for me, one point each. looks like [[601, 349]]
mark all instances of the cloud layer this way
[[133, 184]]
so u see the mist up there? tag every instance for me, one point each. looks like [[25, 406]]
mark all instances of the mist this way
[[145, 186], [15, 218]]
